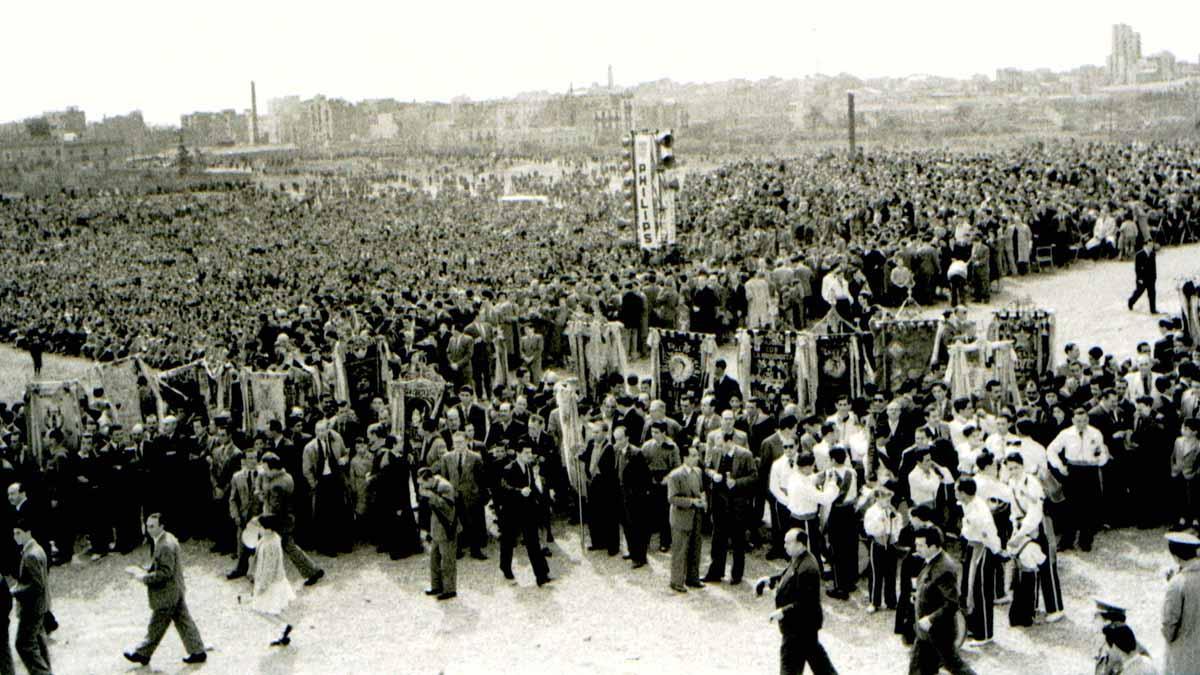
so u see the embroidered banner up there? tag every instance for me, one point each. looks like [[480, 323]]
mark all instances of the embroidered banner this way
[[1031, 332], [767, 362], [361, 373], [680, 366], [186, 390], [903, 347], [411, 402], [835, 369], [120, 382], [54, 406], [263, 399]]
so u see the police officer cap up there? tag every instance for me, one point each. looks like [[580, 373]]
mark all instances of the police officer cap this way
[[1108, 611]]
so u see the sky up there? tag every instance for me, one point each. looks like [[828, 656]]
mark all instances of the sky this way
[[115, 56]]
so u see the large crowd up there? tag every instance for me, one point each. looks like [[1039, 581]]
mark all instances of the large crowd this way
[[265, 277]]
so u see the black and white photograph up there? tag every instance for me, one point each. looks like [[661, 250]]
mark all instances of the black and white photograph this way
[[631, 338]]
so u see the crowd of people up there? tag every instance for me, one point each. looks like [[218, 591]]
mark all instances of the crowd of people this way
[[461, 281]]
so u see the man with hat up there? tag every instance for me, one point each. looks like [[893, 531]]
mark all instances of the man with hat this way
[[1181, 609], [1113, 617]]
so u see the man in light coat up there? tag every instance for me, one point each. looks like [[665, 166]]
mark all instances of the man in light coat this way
[[165, 588]]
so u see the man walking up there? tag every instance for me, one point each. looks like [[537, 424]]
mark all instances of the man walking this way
[[798, 609], [522, 490], [31, 591], [1145, 274], [278, 488], [443, 528], [164, 585], [937, 609]]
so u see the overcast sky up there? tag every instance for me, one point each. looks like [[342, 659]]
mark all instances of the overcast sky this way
[[113, 56]]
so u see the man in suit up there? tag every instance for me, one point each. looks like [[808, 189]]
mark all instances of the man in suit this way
[[1145, 274], [165, 587], [245, 503], [459, 351], [937, 609], [32, 592], [522, 490], [278, 490], [685, 494], [724, 386], [443, 530], [463, 468], [638, 512], [732, 476], [532, 346], [603, 491], [798, 609], [662, 456], [630, 418], [325, 465]]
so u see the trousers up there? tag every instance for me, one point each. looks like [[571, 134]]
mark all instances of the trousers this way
[[161, 619]]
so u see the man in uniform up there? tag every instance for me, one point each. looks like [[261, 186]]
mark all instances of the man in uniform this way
[[1181, 609], [798, 609]]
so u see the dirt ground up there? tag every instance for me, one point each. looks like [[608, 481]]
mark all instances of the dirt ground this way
[[369, 615]]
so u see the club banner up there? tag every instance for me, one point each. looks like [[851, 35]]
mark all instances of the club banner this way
[[361, 371], [903, 347], [972, 364], [410, 403], [120, 382], [54, 405], [186, 390], [1031, 332], [767, 362], [263, 399], [680, 363], [839, 369], [597, 350]]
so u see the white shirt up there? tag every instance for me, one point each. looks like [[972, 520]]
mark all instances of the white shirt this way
[[991, 490], [821, 455], [967, 454], [1034, 456], [923, 485], [804, 498], [1077, 448], [882, 524], [781, 475], [978, 526], [1027, 505]]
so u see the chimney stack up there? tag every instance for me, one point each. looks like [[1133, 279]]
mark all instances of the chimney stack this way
[[253, 115]]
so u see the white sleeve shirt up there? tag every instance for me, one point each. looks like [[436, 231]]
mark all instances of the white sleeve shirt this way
[[803, 496], [781, 473], [1086, 448], [978, 526], [923, 486]]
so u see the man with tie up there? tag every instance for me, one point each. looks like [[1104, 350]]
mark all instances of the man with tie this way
[[731, 476], [798, 609], [163, 578], [1145, 274], [685, 494], [521, 487], [463, 468], [725, 388], [325, 465], [31, 591]]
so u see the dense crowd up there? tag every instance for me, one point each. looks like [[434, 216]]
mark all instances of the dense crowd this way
[[263, 278]]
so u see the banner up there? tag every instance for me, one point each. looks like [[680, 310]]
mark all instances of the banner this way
[[597, 350], [972, 364], [411, 402], [902, 347], [572, 435], [263, 399], [1031, 332], [120, 382], [767, 364], [362, 372], [186, 390], [54, 405], [680, 363], [1189, 296], [303, 383]]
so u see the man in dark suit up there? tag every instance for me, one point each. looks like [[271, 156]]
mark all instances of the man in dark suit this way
[[724, 386], [629, 417], [31, 591], [638, 512], [522, 490], [603, 493], [732, 476], [278, 495], [798, 609], [685, 494], [937, 609], [1145, 274], [164, 586]]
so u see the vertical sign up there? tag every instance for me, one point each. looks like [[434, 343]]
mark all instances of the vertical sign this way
[[645, 189], [667, 216]]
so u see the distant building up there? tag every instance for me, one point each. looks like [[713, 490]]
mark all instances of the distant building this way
[[62, 154], [1126, 55], [66, 124], [226, 127], [126, 129]]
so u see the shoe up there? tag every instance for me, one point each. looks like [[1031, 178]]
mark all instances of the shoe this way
[[311, 581], [1086, 548], [678, 589], [1054, 617], [838, 595], [627, 557], [1006, 600], [695, 584], [613, 554], [708, 578], [543, 581], [281, 642], [871, 609], [547, 552], [447, 596], [478, 555], [638, 564], [735, 582], [235, 574], [509, 576], [198, 657], [664, 549], [460, 555], [593, 547], [978, 643], [430, 591], [549, 538], [136, 658]]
